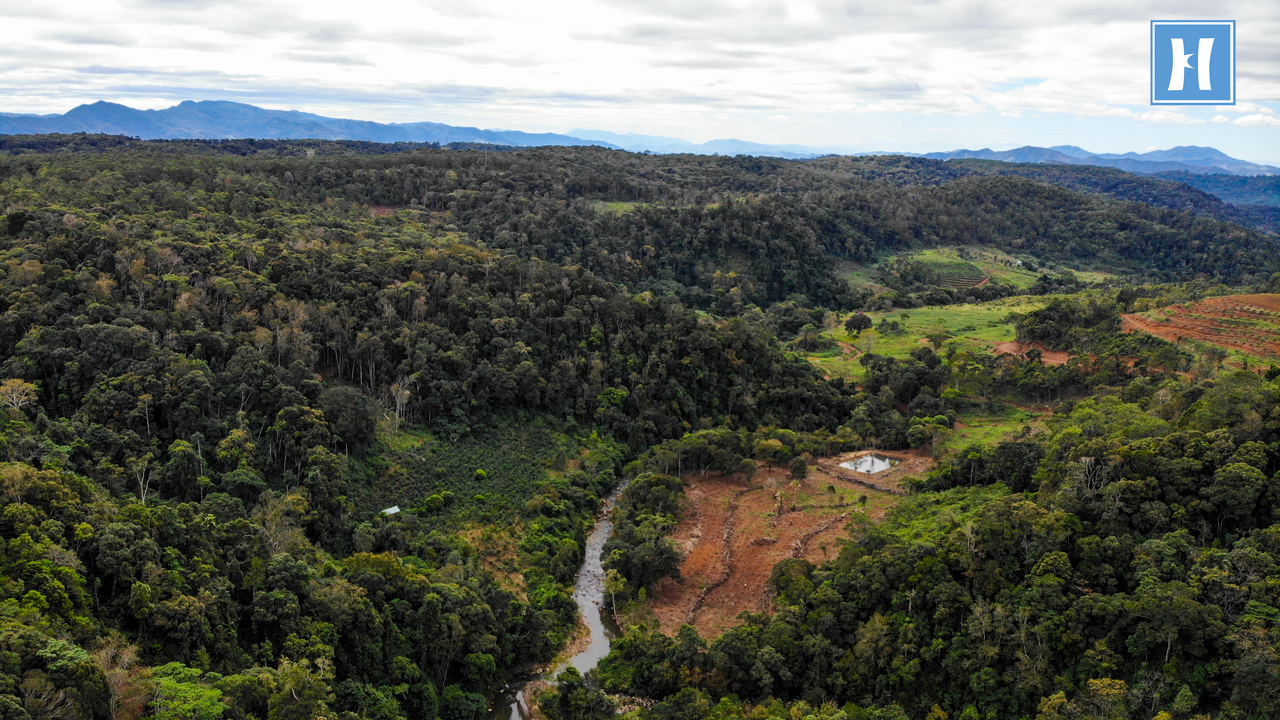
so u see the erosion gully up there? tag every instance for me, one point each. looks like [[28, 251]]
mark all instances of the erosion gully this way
[[588, 593]]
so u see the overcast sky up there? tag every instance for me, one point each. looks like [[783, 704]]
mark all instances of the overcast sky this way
[[865, 74]]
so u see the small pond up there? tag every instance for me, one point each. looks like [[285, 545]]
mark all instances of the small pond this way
[[870, 464]]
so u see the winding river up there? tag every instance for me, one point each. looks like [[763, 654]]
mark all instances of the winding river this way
[[588, 593]]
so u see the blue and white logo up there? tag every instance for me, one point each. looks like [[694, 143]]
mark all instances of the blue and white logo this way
[[1193, 62]]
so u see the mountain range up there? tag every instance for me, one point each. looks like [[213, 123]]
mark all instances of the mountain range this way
[[667, 145], [211, 119], [218, 120], [1185, 158]]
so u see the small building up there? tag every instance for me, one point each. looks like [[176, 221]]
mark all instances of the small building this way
[[393, 510]]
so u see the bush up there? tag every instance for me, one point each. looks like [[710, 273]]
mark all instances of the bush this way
[[799, 469]]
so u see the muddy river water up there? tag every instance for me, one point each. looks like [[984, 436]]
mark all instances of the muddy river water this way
[[588, 593]]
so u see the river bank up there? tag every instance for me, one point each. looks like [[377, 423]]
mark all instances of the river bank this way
[[596, 628]]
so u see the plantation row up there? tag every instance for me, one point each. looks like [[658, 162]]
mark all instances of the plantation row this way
[[957, 275]]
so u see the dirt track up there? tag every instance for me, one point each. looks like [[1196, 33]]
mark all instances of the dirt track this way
[[1049, 357], [732, 536], [1248, 323]]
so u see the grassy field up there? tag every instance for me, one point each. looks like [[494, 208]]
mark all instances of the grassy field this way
[[968, 327], [999, 265], [994, 263], [975, 328], [617, 207], [989, 428]]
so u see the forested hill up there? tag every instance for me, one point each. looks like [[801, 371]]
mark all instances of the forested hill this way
[[1247, 201], [210, 375], [1214, 196], [671, 223], [217, 357], [1261, 190]]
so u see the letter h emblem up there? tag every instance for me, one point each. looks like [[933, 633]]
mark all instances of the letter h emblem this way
[[1193, 62]]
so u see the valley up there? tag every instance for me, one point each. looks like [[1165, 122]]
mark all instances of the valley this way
[[329, 429]]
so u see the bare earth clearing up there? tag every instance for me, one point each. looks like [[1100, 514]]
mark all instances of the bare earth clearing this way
[[732, 534], [1049, 357], [1248, 323]]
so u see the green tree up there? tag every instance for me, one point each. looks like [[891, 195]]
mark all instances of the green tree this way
[[302, 693], [856, 323], [181, 696]]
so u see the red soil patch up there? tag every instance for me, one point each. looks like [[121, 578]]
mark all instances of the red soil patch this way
[[1248, 323], [732, 536], [1049, 357]]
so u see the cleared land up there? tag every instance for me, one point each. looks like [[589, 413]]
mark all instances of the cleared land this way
[[957, 274], [1048, 357], [1247, 324], [976, 328], [996, 264], [735, 531]]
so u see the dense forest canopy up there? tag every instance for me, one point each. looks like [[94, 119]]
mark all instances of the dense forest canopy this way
[[219, 360]]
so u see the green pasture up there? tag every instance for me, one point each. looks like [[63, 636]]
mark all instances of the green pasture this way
[[999, 265], [617, 207], [975, 327], [991, 427]]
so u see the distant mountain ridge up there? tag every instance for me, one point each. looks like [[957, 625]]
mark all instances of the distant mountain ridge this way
[[1192, 159], [218, 120], [214, 119], [668, 145]]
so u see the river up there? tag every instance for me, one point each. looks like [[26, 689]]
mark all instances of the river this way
[[588, 593]]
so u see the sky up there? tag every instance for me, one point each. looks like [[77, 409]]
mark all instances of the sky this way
[[854, 74]]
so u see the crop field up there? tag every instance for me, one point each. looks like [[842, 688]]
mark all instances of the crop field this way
[[417, 465], [975, 266], [960, 268], [733, 533], [859, 276], [957, 275], [1248, 326]]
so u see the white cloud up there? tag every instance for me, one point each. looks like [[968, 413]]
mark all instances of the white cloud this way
[[708, 68], [1158, 115], [1258, 120], [1245, 108]]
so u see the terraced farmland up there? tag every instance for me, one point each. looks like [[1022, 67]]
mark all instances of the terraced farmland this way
[[957, 274], [1249, 324]]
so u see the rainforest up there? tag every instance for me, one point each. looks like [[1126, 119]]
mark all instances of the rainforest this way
[[319, 429]]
